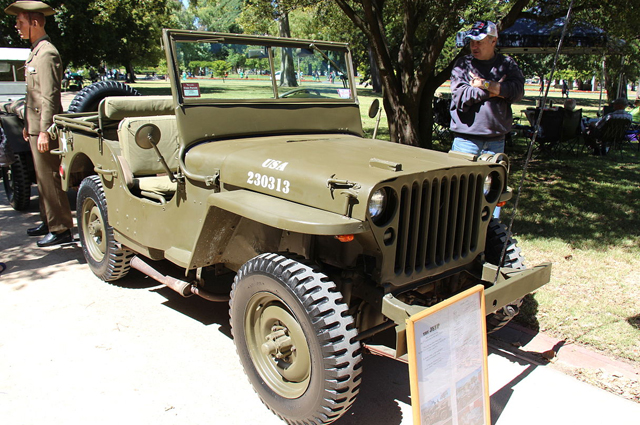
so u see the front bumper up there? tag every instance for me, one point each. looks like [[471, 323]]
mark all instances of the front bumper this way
[[510, 285]]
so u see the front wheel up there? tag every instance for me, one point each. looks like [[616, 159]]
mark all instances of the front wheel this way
[[105, 257], [497, 236], [295, 339]]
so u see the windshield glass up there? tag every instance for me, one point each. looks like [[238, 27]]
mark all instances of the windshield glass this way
[[211, 69]]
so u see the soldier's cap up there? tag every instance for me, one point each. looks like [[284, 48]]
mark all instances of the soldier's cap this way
[[481, 29], [29, 6]]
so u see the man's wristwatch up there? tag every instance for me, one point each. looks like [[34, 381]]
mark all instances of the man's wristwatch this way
[[486, 85]]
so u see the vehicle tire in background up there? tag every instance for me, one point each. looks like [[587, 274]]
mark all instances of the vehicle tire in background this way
[[88, 99], [17, 179], [295, 339], [497, 236], [105, 257]]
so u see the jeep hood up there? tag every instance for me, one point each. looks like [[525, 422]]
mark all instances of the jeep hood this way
[[321, 171]]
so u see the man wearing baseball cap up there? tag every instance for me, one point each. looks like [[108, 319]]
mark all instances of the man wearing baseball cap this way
[[484, 84], [43, 71]]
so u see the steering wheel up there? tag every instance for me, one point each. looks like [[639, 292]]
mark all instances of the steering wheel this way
[[296, 92]]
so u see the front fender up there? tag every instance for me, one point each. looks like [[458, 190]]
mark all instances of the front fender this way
[[285, 215]]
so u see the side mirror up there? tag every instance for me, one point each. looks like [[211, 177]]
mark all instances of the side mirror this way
[[374, 108], [373, 111], [147, 136]]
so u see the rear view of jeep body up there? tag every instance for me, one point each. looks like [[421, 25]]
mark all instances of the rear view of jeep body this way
[[333, 238]]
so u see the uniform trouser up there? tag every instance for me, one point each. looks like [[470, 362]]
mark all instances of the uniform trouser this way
[[54, 204]]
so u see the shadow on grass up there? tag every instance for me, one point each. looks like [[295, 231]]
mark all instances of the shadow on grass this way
[[531, 101], [587, 202], [634, 321]]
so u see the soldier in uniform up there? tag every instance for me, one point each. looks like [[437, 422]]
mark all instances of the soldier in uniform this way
[[43, 71]]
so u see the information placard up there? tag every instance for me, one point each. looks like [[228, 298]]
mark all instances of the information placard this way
[[447, 346], [191, 89]]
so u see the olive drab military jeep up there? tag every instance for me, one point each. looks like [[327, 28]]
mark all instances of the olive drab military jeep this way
[[333, 239]]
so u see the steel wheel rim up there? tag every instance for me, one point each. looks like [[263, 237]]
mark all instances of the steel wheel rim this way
[[8, 177], [93, 230], [290, 375]]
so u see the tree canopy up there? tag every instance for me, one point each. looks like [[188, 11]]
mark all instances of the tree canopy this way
[[408, 46], [95, 32]]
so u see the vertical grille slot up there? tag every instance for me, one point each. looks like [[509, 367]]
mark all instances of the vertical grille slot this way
[[438, 222], [403, 227]]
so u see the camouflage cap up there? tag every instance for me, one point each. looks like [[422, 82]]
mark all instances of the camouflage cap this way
[[29, 6]]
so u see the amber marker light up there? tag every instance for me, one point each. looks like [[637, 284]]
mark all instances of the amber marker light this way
[[501, 204], [345, 238]]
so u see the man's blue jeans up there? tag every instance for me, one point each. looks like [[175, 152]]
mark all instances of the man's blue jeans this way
[[478, 147]]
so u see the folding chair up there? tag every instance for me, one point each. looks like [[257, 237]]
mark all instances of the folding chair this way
[[612, 135], [550, 129], [571, 133]]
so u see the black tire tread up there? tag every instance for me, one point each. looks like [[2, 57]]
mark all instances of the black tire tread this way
[[334, 326], [497, 236], [118, 259], [18, 187], [88, 99]]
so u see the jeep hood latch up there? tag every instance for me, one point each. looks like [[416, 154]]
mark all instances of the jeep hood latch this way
[[348, 189]]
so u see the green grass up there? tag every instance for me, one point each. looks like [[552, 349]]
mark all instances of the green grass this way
[[582, 213], [257, 87]]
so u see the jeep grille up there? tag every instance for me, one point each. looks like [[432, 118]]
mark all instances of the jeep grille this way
[[439, 222]]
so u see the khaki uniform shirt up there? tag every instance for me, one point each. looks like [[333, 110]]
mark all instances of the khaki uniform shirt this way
[[43, 71]]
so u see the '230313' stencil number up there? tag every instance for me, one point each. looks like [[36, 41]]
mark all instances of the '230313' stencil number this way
[[267, 182]]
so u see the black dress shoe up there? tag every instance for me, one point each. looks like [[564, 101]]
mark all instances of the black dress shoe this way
[[41, 230], [55, 239]]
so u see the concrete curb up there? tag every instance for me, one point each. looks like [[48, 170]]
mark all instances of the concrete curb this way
[[543, 348]]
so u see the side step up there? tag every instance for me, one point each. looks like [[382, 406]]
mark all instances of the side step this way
[[184, 288]]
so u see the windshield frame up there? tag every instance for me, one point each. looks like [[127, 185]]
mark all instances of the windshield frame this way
[[172, 37]]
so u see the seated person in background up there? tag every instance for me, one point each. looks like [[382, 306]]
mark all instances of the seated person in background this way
[[595, 128], [569, 105], [635, 112]]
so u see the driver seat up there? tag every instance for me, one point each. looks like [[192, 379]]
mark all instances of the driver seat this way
[[144, 175]]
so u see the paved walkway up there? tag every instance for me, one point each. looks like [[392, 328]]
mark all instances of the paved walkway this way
[[67, 97]]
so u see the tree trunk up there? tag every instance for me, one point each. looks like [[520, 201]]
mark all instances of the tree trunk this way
[[288, 70], [375, 73], [131, 76], [403, 122]]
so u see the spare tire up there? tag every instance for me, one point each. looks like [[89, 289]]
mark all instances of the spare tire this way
[[88, 99]]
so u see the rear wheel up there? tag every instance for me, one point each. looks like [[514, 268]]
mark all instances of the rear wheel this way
[[497, 236], [105, 257], [295, 339], [17, 179]]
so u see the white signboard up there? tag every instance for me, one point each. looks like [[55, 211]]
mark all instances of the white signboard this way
[[448, 362]]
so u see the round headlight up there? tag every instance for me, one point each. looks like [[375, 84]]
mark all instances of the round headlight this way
[[487, 184], [377, 203], [492, 187]]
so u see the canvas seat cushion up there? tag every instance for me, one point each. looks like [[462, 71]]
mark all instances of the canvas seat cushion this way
[[161, 185], [116, 108], [144, 162]]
